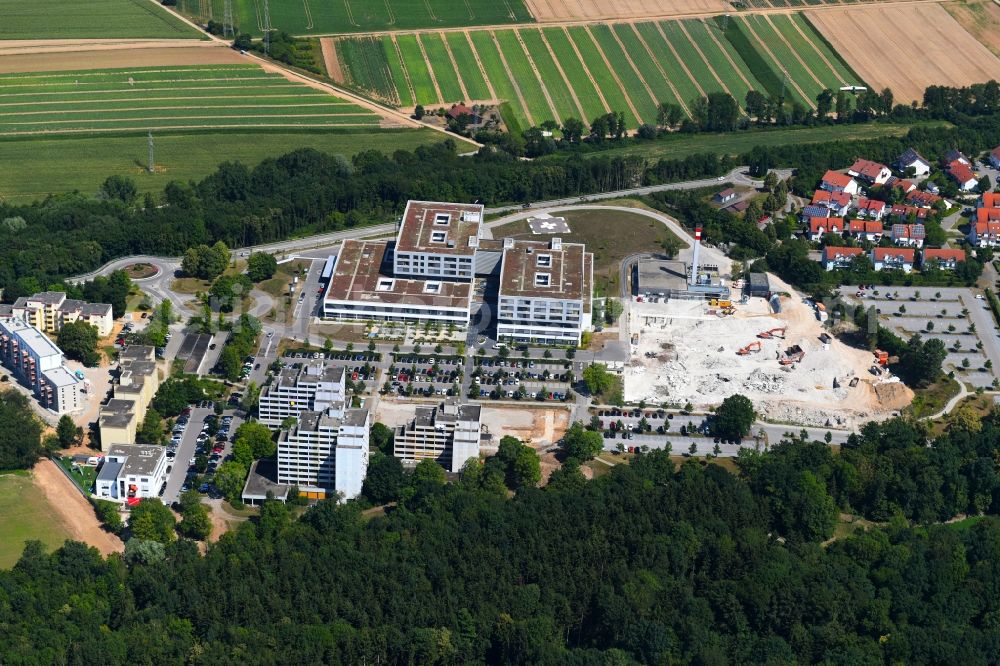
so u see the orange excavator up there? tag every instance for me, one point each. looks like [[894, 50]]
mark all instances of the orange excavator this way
[[773, 333], [752, 347]]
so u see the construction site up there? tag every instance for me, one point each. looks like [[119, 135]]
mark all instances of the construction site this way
[[770, 346]]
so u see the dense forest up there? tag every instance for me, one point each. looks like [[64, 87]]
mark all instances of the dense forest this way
[[646, 565]]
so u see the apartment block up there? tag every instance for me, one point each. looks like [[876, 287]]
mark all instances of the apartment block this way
[[39, 364], [364, 288], [48, 311], [325, 452], [130, 473], [315, 386], [545, 291], [437, 240], [133, 392], [448, 434], [118, 423]]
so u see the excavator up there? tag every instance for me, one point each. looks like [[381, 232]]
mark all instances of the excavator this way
[[773, 333], [793, 354], [752, 347]]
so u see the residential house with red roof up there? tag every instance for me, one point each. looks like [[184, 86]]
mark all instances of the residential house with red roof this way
[[985, 232], [901, 184], [908, 235], [839, 257], [871, 209], [838, 202], [870, 172], [868, 230], [995, 157], [943, 259], [903, 212], [962, 175], [893, 258], [989, 200], [912, 159], [922, 199], [834, 181], [823, 225]]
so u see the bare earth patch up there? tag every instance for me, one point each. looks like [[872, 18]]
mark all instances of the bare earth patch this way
[[569, 10], [906, 47], [330, 60], [981, 19], [104, 56], [74, 510]]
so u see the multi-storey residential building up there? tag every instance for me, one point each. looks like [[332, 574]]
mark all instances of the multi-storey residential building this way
[[839, 257], [133, 391], [824, 225], [944, 259], [130, 473], [40, 365], [545, 291], [448, 433], [437, 240], [870, 230], [325, 452], [315, 386], [893, 258], [908, 235], [361, 289], [48, 311]]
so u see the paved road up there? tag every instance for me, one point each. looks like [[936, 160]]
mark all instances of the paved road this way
[[982, 317], [185, 451]]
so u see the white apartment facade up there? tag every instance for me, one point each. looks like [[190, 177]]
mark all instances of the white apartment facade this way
[[39, 364], [545, 292], [131, 472], [315, 386], [50, 310], [325, 453], [449, 434]]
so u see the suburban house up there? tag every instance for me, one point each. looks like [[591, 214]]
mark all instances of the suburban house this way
[[901, 184], [893, 258], [954, 155], [839, 257], [834, 181], [922, 199], [995, 157], [724, 196], [984, 234], [989, 200], [912, 159], [871, 209], [838, 202], [868, 230], [908, 235], [823, 225], [870, 172], [903, 212], [810, 211], [943, 259], [962, 175]]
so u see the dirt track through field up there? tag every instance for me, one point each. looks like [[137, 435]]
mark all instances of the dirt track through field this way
[[513, 80], [330, 60], [75, 511], [586, 70], [677, 56], [708, 65], [114, 56], [795, 52], [455, 68], [559, 67], [736, 68], [777, 61], [659, 67], [430, 69], [918, 46], [538, 75]]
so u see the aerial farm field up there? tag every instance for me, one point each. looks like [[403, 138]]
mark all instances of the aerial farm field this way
[[946, 55], [583, 71], [118, 19], [311, 17]]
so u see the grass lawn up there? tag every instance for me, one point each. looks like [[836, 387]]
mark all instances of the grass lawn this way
[[84, 476], [611, 235], [53, 165], [678, 146], [25, 514], [55, 19]]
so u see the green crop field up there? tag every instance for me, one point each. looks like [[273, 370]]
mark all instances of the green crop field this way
[[312, 17], [26, 515], [367, 66], [554, 73], [122, 19], [169, 98]]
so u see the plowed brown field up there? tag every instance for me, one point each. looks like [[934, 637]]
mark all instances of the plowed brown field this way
[[568, 10], [981, 19], [906, 47]]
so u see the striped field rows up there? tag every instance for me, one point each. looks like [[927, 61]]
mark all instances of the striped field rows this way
[[162, 98], [554, 73]]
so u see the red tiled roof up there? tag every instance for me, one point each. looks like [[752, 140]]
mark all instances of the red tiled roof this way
[[899, 210], [821, 197], [906, 254], [867, 168], [837, 179], [902, 183], [919, 198], [960, 172], [825, 223], [831, 253], [908, 231], [871, 204], [458, 109], [996, 152], [989, 228], [865, 226], [987, 214], [991, 199], [944, 255]]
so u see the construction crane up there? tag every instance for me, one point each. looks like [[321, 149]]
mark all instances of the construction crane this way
[[752, 347], [767, 335]]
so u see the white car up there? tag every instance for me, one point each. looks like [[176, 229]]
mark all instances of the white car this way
[[979, 296]]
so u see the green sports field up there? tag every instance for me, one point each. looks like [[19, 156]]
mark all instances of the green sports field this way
[[167, 99], [312, 17], [25, 515], [57, 19]]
